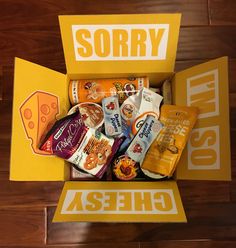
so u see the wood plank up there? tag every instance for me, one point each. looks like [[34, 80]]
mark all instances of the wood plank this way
[[75, 232], [206, 42], [41, 47], [222, 12], [5, 155], [44, 14], [22, 226], [233, 182], [7, 81], [159, 244], [232, 101], [89, 245], [181, 65], [5, 117], [5, 134], [30, 193], [232, 75], [205, 221], [1, 83], [197, 192], [189, 244], [233, 142]]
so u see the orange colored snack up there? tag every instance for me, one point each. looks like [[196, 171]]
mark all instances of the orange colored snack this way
[[94, 90], [166, 150]]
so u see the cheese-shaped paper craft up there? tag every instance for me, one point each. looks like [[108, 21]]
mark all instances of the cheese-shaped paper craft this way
[[38, 114]]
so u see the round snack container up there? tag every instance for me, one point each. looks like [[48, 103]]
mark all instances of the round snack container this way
[[92, 114], [94, 90], [152, 175], [125, 168]]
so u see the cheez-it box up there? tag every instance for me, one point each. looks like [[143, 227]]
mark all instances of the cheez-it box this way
[[110, 46]]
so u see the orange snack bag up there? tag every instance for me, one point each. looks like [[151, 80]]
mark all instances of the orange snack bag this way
[[94, 90], [166, 150]]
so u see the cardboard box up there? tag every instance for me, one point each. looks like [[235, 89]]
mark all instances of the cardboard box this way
[[104, 46]]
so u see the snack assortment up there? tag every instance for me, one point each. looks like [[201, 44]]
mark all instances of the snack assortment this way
[[119, 129]]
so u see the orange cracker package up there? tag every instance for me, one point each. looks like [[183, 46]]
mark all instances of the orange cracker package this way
[[94, 90], [166, 150]]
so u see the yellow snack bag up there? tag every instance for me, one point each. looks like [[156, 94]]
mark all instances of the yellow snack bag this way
[[165, 151]]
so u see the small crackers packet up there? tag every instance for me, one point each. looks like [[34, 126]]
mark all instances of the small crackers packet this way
[[165, 151], [112, 117], [144, 138]]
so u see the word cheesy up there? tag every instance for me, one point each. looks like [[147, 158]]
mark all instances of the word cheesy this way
[[120, 42], [119, 202]]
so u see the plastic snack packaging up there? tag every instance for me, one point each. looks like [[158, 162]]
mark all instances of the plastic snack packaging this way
[[134, 111], [86, 148], [77, 174], [91, 113], [165, 151], [166, 92], [125, 168], [144, 138], [111, 111], [94, 90], [151, 175]]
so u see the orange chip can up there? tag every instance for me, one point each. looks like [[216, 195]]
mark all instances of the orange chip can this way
[[94, 90]]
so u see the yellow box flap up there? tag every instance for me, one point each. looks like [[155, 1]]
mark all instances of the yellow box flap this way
[[40, 96], [120, 202], [99, 44], [207, 154]]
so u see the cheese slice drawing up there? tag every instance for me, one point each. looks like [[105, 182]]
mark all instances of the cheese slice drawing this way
[[38, 114]]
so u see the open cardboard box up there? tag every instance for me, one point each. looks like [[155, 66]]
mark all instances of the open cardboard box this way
[[119, 46]]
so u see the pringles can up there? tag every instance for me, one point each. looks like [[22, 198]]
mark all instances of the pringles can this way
[[94, 90]]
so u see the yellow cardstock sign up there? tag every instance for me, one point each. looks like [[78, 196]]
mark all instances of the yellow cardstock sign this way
[[101, 43], [120, 202], [207, 155], [40, 97]]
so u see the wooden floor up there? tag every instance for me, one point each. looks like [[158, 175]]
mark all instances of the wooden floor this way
[[29, 29]]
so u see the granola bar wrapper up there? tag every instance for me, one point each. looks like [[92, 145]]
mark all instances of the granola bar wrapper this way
[[86, 148], [165, 151]]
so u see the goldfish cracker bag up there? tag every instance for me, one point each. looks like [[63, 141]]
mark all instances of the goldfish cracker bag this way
[[166, 150]]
